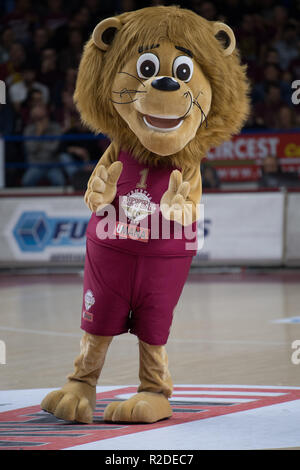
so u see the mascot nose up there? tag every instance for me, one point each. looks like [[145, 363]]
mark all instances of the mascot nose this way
[[165, 84]]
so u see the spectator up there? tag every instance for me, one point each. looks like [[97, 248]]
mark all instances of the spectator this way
[[279, 19], [273, 177], [294, 67], [272, 56], [287, 46], [7, 39], [20, 20], [271, 74], [70, 79], [11, 71], [35, 98], [49, 72], [287, 78], [77, 154], [41, 154], [13, 150], [286, 118], [209, 175], [67, 114], [7, 119], [249, 38], [297, 119], [254, 122], [55, 15], [84, 20], [41, 41], [19, 91], [70, 57], [266, 111]]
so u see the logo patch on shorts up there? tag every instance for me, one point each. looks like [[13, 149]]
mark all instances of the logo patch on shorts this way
[[89, 299], [88, 316]]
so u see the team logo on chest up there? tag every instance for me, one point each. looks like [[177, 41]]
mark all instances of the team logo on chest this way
[[137, 205]]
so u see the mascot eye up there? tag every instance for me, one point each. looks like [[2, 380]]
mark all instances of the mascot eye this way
[[147, 65], [183, 68]]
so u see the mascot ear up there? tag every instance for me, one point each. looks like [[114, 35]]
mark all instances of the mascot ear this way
[[225, 34], [105, 32]]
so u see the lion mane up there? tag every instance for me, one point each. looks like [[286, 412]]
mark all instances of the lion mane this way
[[227, 77]]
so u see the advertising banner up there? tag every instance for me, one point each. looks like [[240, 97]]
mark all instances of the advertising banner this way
[[44, 230], [47, 231], [240, 158]]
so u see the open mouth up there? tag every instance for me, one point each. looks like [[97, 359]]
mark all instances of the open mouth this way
[[162, 123]]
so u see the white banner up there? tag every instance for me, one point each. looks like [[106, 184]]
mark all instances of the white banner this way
[[292, 247], [238, 228], [242, 227]]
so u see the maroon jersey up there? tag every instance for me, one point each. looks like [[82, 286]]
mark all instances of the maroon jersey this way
[[133, 223]]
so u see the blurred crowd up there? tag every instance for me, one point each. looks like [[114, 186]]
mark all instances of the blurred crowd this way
[[40, 49]]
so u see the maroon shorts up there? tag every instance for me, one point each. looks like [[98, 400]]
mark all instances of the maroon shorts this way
[[126, 292]]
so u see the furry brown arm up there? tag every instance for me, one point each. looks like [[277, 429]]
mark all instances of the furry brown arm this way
[[102, 185]]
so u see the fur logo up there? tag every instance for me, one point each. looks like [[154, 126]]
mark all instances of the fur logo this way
[[89, 299], [137, 205]]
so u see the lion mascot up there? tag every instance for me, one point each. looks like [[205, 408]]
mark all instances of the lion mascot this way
[[164, 85]]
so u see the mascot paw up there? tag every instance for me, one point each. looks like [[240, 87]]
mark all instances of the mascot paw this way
[[144, 407], [103, 186], [73, 402], [174, 204]]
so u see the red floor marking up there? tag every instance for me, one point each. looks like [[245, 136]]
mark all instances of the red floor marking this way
[[21, 419]]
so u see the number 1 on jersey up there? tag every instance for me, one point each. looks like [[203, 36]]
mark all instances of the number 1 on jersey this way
[[142, 183]]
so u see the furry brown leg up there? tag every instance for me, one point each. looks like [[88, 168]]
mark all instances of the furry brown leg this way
[[76, 400], [151, 403]]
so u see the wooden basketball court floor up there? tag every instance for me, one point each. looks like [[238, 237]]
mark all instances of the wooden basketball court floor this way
[[231, 328]]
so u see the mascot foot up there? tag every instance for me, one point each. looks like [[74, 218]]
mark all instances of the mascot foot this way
[[75, 401], [144, 407]]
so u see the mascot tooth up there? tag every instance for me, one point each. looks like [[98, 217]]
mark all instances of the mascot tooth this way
[[164, 85]]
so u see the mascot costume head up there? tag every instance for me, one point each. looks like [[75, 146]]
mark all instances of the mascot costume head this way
[[165, 85]]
